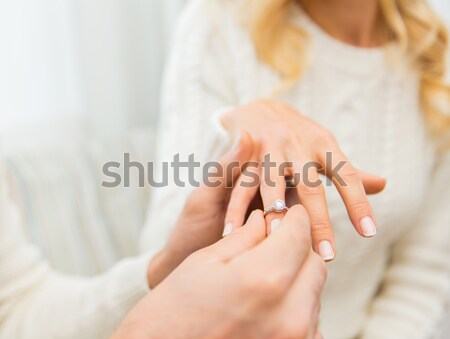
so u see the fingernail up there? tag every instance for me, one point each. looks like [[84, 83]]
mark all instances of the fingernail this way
[[228, 229], [326, 250], [368, 227], [274, 225]]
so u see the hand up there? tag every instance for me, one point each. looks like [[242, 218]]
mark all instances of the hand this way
[[245, 286], [291, 137], [201, 221]]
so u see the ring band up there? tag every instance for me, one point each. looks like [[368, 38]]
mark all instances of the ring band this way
[[278, 206]]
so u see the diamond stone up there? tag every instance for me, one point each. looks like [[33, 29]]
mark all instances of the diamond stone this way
[[279, 205]]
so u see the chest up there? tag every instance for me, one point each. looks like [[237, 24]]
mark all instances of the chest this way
[[378, 123]]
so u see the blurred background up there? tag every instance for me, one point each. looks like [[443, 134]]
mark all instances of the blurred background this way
[[71, 67], [79, 85]]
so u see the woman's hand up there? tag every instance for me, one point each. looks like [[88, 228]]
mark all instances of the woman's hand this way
[[201, 221], [305, 148], [276, 295]]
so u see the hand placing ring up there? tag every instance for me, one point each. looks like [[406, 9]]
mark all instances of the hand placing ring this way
[[278, 206]]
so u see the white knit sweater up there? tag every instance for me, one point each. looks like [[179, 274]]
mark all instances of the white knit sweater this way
[[36, 302], [393, 286]]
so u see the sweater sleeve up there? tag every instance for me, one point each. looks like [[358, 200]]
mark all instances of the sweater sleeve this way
[[197, 88], [416, 285], [36, 302]]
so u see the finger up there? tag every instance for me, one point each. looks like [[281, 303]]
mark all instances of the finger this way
[[308, 287], [309, 283], [318, 335], [241, 239], [349, 184], [281, 255], [372, 183], [232, 163], [292, 197], [273, 188], [312, 196], [242, 195]]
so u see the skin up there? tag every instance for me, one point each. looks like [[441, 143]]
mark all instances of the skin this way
[[199, 227], [355, 22], [286, 134], [197, 271], [276, 295], [270, 308], [289, 136]]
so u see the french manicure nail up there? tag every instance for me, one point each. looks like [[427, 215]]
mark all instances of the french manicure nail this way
[[368, 227], [326, 250], [228, 229], [274, 225]]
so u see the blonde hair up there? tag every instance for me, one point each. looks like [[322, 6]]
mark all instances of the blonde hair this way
[[411, 24]]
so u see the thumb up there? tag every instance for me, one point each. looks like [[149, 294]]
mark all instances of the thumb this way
[[233, 161], [373, 184], [230, 166], [241, 239]]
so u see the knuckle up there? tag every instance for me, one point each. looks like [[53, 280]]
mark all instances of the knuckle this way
[[360, 206], [273, 283], [267, 104], [309, 190], [272, 103], [350, 174], [299, 211], [259, 214], [268, 287], [280, 133], [320, 225], [325, 135], [286, 134]]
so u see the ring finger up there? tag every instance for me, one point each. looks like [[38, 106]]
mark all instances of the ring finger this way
[[273, 189]]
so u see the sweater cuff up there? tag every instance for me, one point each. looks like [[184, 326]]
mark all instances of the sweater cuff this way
[[216, 121], [218, 137], [132, 282]]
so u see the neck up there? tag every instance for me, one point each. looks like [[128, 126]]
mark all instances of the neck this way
[[355, 22]]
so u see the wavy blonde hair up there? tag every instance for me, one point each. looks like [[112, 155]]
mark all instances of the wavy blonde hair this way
[[411, 24]]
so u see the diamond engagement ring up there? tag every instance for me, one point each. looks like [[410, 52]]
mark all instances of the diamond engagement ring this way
[[278, 206]]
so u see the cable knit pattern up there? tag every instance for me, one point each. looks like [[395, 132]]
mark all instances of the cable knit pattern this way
[[36, 302], [393, 286]]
